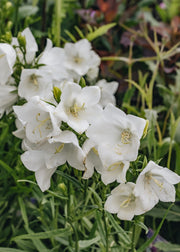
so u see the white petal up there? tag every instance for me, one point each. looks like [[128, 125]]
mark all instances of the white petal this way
[[33, 160], [112, 204], [43, 177]]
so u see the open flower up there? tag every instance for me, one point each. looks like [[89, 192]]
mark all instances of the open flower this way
[[118, 139], [109, 171], [49, 155], [35, 82], [123, 202], [156, 183], [78, 106], [7, 60], [38, 118], [79, 57]]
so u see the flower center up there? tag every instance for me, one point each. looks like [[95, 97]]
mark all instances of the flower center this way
[[126, 136], [78, 60], [75, 109], [2, 55], [59, 149], [115, 166], [41, 123], [127, 201], [149, 177], [34, 79]]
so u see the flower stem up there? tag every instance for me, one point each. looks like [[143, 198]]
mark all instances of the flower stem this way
[[106, 231]]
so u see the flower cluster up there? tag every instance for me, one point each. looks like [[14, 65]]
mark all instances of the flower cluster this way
[[59, 107]]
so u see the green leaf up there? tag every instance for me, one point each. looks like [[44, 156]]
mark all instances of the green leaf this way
[[46, 234], [99, 31], [149, 241], [120, 231], [10, 250], [70, 178], [142, 225], [23, 211], [167, 246], [87, 243]]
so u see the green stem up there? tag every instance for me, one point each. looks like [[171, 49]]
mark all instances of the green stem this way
[[106, 231], [133, 238], [58, 7], [169, 155], [17, 4]]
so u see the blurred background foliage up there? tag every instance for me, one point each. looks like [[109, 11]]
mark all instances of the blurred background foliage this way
[[70, 216]]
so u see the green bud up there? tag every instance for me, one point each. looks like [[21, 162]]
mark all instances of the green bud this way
[[82, 82], [21, 39], [62, 186], [8, 37], [9, 25], [146, 129], [8, 5], [57, 94]]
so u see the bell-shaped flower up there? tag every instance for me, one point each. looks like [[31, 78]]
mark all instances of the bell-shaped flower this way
[[123, 202], [49, 155], [108, 90], [117, 134], [52, 60], [7, 60], [31, 46], [109, 171], [79, 57], [8, 97], [38, 118], [35, 82], [79, 106], [156, 183]]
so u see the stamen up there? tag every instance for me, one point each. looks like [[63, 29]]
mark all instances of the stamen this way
[[126, 202], [149, 176], [42, 122], [75, 109], [78, 60], [34, 79], [126, 136], [59, 149], [2, 55], [115, 166], [95, 151]]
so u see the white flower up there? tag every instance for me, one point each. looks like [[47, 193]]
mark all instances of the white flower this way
[[117, 134], [92, 159], [53, 60], [109, 171], [7, 60], [79, 57], [108, 90], [78, 106], [49, 155], [35, 82], [38, 118], [155, 183], [31, 46], [123, 202], [8, 97]]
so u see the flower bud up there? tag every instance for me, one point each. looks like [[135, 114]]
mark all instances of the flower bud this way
[[21, 40], [8, 5]]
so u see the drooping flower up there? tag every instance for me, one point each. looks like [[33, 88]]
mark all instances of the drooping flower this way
[[123, 202], [8, 97], [78, 106], [79, 57], [38, 118], [156, 183], [35, 82], [7, 60], [118, 139], [108, 90], [49, 155]]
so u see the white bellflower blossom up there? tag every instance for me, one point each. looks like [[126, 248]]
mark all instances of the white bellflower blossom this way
[[78, 106], [156, 183], [49, 155], [79, 57], [118, 139], [123, 202], [38, 118]]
